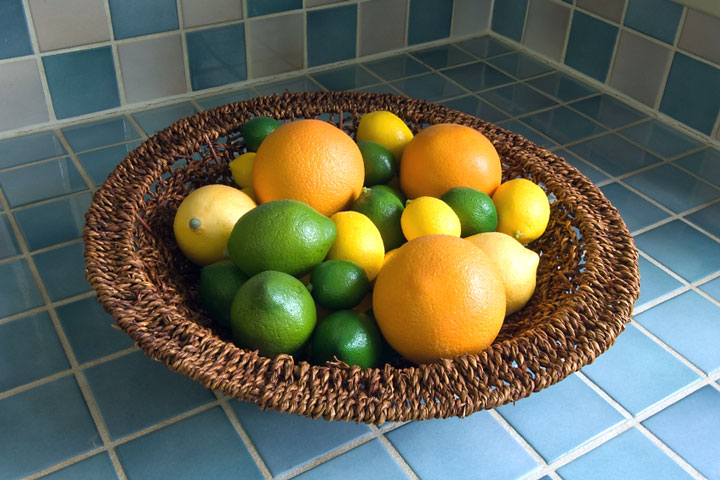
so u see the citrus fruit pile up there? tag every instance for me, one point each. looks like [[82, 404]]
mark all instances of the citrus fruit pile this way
[[361, 249]]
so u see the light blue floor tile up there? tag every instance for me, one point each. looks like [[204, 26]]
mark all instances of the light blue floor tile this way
[[707, 219], [8, 243], [63, 271], [614, 154], [18, 290], [477, 76], [561, 86], [712, 288], [202, 446], [123, 384], [608, 111], [654, 282], [29, 350], [638, 372], [345, 78], [54, 222], [281, 438], [563, 125], [517, 99], [683, 249], [29, 148], [89, 329], [635, 211], [689, 324], [691, 427], [152, 121], [298, 84], [592, 173], [704, 164], [534, 136], [443, 56], [225, 98], [429, 445], [629, 455], [660, 138], [472, 105], [99, 134], [484, 47], [95, 467], [569, 409], [99, 163], [41, 181], [394, 68], [35, 437], [520, 65], [431, 87], [369, 460]]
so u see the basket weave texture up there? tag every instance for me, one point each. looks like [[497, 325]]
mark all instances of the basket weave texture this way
[[587, 278]]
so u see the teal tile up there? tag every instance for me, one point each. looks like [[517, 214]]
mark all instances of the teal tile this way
[[98, 466], [82, 82], [29, 148], [369, 460], [660, 139], [54, 222], [41, 181], [661, 24], [592, 173], [216, 56], [561, 86], [98, 164], [99, 134], [381, 88], [338, 23], [590, 45], [429, 20], [654, 282], [152, 121], [8, 243], [431, 87], [614, 154], [519, 65], [608, 111], [132, 18], [484, 47], [14, 33], [635, 211], [707, 219], [18, 290], [705, 164], [225, 98], [396, 67], [563, 125], [345, 78], [297, 84], [534, 136], [443, 56], [472, 105], [477, 76], [508, 18], [63, 271], [264, 7], [677, 190], [517, 99]]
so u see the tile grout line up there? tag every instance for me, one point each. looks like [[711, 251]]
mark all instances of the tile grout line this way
[[396, 456], [38, 58], [671, 60], [529, 449], [616, 47], [183, 46]]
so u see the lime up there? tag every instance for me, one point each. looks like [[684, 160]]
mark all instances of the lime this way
[[273, 313], [380, 165], [256, 129], [338, 284], [384, 209], [474, 208], [393, 190], [219, 282], [351, 337]]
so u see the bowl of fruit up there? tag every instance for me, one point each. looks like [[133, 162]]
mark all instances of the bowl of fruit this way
[[359, 257]]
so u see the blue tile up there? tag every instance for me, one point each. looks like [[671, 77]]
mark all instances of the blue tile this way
[[570, 409], [121, 385], [683, 249], [691, 427], [508, 18], [429, 20], [369, 460], [660, 138], [152, 121], [14, 34], [637, 372], [563, 125], [99, 163], [629, 455], [534, 136], [281, 438], [35, 436], [381, 88], [636, 212], [431, 87], [264, 7], [29, 148], [345, 78], [705, 164], [477, 76], [519, 65], [132, 18], [98, 466], [63, 271], [592, 173], [393, 68], [614, 155], [18, 290], [297, 84], [338, 23], [712, 288], [689, 324], [54, 222], [691, 94], [202, 446], [8, 243], [443, 56], [608, 111], [99, 134], [216, 56], [82, 82], [472, 105], [561, 86], [225, 98], [517, 99], [661, 24], [707, 219], [654, 282], [41, 181], [590, 45], [428, 445], [484, 47], [90, 330]]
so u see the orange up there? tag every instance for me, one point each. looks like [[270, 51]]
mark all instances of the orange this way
[[438, 297], [311, 161], [445, 156]]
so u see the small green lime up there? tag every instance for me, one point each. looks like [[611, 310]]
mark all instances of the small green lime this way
[[338, 284], [273, 313], [474, 208], [351, 336], [385, 210], [380, 165], [256, 129], [219, 282], [394, 191]]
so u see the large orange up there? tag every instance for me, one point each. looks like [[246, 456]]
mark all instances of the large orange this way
[[439, 296], [311, 161], [445, 156]]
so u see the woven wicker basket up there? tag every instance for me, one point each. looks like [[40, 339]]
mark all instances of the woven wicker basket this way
[[587, 278]]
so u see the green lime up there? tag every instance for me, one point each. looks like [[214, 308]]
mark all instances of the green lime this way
[[380, 165], [273, 313], [219, 282], [384, 209], [256, 129], [338, 284], [474, 208], [283, 235], [351, 336], [394, 191]]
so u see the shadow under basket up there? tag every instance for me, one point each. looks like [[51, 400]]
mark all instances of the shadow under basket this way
[[586, 287]]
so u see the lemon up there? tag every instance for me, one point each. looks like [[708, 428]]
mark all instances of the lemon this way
[[384, 128], [428, 216], [389, 254], [516, 264], [359, 241], [523, 209], [204, 220], [250, 192], [241, 169]]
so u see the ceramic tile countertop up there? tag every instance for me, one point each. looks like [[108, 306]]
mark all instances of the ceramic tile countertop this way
[[79, 401]]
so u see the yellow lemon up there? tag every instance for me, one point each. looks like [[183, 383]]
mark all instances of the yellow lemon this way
[[241, 169], [389, 254], [249, 191], [516, 264], [204, 220], [359, 241], [523, 209], [428, 216], [384, 128]]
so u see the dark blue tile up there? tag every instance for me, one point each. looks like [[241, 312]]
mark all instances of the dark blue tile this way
[[477, 76], [345, 78], [297, 84], [202, 446], [99, 134], [707, 219], [608, 111], [41, 181], [561, 86], [281, 438], [82, 82], [659, 138], [519, 65], [443, 56], [216, 56], [712, 288], [508, 18], [614, 155], [381, 88], [14, 34], [63, 271], [98, 467], [264, 7], [517, 99], [338, 23], [590, 45], [29, 148], [494, 452], [393, 68], [534, 136], [152, 121], [369, 460], [662, 23], [636, 212], [18, 290], [54, 222], [691, 94], [36, 437], [484, 47], [563, 125], [431, 87], [637, 372], [654, 282], [132, 18], [592, 173], [570, 409], [225, 98], [472, 105], [99, 163], [8, 243], [429, 20], [705, 164]]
